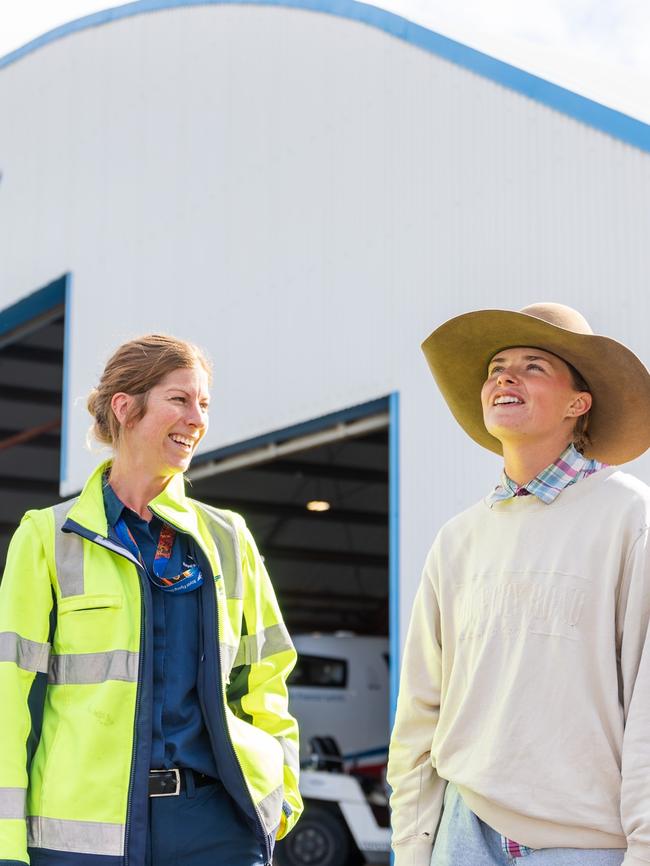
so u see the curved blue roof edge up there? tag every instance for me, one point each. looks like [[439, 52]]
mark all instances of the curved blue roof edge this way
[[608, 120]]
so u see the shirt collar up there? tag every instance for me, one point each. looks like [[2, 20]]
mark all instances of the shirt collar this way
[[113, 505], [569, 467]]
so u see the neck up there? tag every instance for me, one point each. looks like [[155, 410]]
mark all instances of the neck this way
[[135, 487], [525, 461]]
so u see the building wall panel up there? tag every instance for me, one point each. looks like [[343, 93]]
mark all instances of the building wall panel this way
[[307, 197]]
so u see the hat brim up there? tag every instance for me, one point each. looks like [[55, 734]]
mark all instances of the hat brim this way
[[459, 351]]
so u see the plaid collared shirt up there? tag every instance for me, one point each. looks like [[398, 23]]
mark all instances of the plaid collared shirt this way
[[569, 467]]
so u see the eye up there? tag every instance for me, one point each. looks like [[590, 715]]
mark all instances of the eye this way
[[532, 366], [181, 399], [495, 369], [205, 406]]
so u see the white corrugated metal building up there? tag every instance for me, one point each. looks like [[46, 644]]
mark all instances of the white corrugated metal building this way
[[305, 188]]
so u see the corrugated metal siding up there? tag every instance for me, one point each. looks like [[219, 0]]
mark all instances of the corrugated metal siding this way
[[307, 197]]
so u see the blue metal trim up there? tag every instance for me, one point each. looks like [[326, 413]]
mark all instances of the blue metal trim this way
[[65, 391], [393, 552], [363, 410], [39, 302], [592, 113]]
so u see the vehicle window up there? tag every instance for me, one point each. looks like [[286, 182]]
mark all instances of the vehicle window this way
[[319, 672]]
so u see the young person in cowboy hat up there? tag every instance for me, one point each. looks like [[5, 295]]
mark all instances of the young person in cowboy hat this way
[[523, 720]]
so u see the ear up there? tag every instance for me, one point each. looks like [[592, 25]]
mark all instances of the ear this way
[[121, 405], [580, 404]]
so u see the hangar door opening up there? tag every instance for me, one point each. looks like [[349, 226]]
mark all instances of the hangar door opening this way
[[31, 385], [317, 502]]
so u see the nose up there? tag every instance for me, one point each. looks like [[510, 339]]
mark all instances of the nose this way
[[195, 416], [506, 377]]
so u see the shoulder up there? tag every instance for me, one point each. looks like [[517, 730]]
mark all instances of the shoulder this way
[[460, 523], [221, 515], [628, 486], [623, 492], [628, 496], [224, 520], [456, 532], [44, 522]]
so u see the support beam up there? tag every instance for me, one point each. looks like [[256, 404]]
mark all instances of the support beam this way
[[44, 440], [24, 437], [336, 472], [288, 511], [32, 354], [328, 557], [16, 484], [275, 450], [311, 600], [19, 394]]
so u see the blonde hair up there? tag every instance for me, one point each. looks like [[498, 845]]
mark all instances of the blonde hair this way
[[134, 368]]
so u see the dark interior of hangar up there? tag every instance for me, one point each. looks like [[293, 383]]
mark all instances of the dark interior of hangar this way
[[329, 567], [31, 371]]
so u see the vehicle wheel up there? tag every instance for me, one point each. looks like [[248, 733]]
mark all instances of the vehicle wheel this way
[[320, 839]]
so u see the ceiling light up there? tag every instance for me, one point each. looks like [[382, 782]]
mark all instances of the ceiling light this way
[[318, 505]]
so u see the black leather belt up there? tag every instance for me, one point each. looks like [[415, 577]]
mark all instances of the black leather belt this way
[[169, 783]]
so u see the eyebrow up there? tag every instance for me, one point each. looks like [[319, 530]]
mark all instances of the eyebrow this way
[[526, 358], [187, 393]]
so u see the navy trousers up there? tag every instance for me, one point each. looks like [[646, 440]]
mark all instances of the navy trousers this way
[[200, 827]]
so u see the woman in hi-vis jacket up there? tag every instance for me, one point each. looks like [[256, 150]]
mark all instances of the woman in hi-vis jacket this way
[[143, 657]]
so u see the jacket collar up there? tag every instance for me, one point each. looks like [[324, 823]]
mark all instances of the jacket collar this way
[[171, 505]]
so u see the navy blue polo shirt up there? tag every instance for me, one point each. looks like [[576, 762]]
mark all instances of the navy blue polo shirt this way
[[179, 735]]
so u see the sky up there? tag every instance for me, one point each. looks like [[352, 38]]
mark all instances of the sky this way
[[597, 47]]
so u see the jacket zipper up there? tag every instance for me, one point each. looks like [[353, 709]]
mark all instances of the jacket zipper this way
[[267, 848], [138, 693]]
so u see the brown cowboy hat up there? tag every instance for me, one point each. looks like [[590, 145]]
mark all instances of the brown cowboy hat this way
[[459, 352]]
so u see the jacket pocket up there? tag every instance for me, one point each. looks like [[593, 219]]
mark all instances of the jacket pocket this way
[[87, 602]]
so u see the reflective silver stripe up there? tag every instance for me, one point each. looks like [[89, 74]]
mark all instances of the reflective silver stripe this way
[[228, 654], [68, 553], [226, 539], [258, 646], [80, 837], [291, 758], [12, 803], [271, 808], [27, 654], [86, 668]]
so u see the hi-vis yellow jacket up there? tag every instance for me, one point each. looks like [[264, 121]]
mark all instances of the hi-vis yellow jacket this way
[[76, 682]]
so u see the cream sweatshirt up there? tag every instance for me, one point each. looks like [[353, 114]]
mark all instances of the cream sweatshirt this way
[[526, 674]]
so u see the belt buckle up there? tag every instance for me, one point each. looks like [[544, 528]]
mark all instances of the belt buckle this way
[[177, 775]]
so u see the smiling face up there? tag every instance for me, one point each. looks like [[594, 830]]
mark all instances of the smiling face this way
[[175, 420], [529, 396]]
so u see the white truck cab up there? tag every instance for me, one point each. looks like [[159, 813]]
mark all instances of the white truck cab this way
[[339, 694], [339, 689]]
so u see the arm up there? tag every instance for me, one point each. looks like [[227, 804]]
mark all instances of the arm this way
[[633, 633], [25, 605], [259, 687], [416, 801]]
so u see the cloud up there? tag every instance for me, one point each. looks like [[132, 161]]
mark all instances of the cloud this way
[[616, 32]]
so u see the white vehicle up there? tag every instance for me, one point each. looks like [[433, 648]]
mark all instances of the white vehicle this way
[[339, 689], [339, 694], [344, 822]]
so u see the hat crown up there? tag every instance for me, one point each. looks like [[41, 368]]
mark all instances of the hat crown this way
[[559, 315]]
